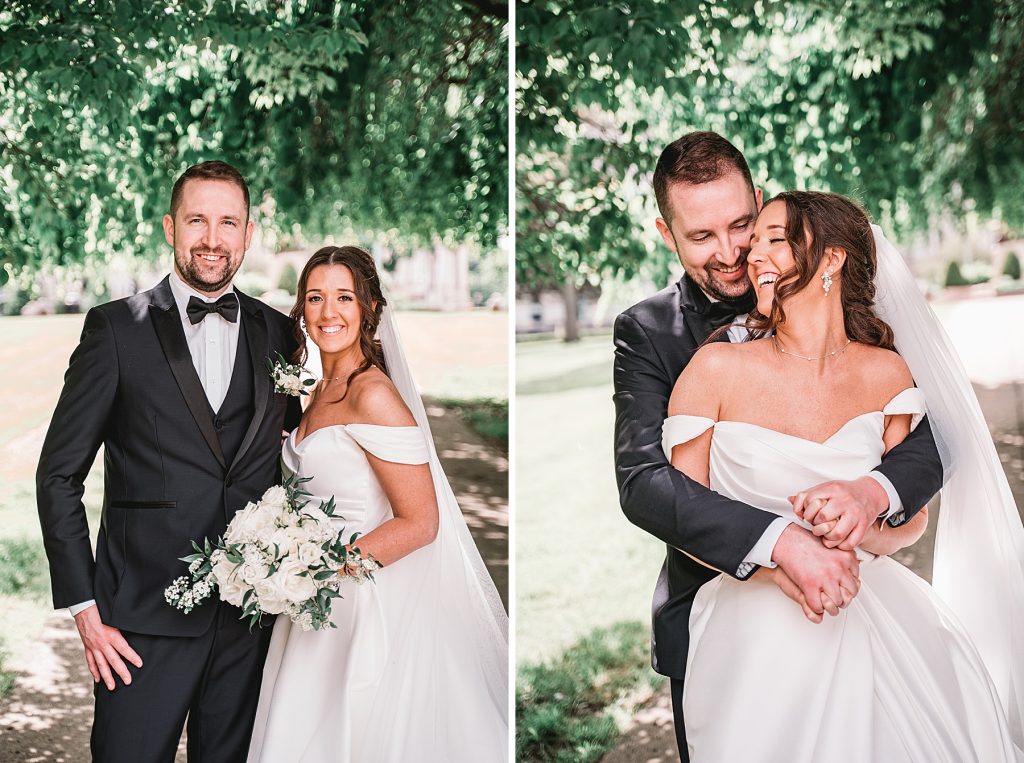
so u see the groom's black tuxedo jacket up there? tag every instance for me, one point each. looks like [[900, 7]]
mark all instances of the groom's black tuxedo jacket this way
[[654, 340], [174, 470]]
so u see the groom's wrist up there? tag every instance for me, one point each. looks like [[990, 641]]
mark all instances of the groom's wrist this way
[[888, 500], [74, 609], [762, 552]]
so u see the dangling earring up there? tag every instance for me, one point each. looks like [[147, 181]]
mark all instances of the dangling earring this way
[[826, 281], [302, 326]]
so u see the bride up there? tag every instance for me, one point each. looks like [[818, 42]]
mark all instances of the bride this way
[[904, 672], [417, 666]]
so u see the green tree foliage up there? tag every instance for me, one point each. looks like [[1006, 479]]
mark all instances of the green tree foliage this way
[[910, 106], [387, 117], [1011, 268], [289, 279], [953, 275]]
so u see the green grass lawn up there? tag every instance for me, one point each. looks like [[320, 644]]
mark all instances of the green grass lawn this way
[[457, 356], [584, 574], [579, 563]]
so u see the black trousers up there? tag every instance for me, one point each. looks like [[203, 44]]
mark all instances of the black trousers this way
[[677, 719], [212, 679]]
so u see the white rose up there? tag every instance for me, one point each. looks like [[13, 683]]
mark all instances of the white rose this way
[[252, 573], [311, 514], [289, 585], [269, 596], [289, 382], [275, 496], [231, 586], [309, 553], [287, 540], [251, 523], [236, 527]]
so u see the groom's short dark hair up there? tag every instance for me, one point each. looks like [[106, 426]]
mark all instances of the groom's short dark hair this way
[[212, 170], [695, 158]]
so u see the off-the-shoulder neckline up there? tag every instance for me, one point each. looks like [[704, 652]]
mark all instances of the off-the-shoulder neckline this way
[[297, 443], [715, 424]]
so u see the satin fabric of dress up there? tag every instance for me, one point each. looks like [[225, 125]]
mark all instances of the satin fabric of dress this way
[[393, 682], [892, 678]]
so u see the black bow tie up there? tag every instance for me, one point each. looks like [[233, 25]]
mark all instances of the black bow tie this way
[[227, 306], [724, 313]]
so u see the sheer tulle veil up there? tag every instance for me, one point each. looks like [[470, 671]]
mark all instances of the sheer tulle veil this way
[[467, 593], [979, 548]]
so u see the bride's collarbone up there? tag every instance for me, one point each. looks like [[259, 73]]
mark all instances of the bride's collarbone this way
[[324, 414], [812, 412]]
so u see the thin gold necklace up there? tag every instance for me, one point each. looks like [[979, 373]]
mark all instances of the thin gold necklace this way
[[337, 378], [784, 351]]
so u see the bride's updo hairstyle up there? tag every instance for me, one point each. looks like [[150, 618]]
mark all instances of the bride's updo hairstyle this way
[[829, 220], [368, 295]]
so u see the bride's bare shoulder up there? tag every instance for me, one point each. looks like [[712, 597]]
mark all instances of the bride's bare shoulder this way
[[716, 358], [882, 371], [707, 377], [375, 400]]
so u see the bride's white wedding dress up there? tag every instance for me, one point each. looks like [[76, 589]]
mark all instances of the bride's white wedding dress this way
[[396, 681], [892, 678]]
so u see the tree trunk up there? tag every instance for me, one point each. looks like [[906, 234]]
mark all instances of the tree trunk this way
[[572, 320]]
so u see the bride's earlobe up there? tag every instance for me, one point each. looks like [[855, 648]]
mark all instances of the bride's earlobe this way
[[835, 257]]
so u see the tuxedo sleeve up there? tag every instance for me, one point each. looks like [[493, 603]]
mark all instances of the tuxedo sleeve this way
[[915, 471], [656, 496], [76, 431]]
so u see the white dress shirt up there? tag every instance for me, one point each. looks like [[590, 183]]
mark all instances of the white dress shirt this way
[[761, 553], [213, 343]]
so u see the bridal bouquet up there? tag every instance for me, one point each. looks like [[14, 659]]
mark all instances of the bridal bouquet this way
[[278, 555]]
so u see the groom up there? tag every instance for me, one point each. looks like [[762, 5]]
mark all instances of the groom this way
[[173, 383], [708, 205]]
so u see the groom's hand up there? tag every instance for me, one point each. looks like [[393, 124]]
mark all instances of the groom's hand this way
[[828, 578], [850, 506], [104, 648]]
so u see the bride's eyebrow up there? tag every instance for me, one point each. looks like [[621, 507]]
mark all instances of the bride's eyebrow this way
[[753, 237]]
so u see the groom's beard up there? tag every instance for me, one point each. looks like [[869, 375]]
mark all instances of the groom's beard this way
[[709, 280], [216, 275]]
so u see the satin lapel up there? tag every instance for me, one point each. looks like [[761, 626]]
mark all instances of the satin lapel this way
[[259, 351], [167, 323]]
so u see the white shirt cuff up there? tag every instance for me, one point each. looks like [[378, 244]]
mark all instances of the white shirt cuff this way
[[76, 608], [761, 553], [895, 504]]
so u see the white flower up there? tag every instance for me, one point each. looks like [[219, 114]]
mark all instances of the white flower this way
[[252, 573], [269, 597], [275, 496], [309, 553], [253, 522], [232, 587], [288, 539], [313, 514], [289, 585], [289, 383]]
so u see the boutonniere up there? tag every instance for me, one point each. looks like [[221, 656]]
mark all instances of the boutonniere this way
[[288, 377]]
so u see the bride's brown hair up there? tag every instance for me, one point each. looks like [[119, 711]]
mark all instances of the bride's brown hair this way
[[369, 296], [829, 220]]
